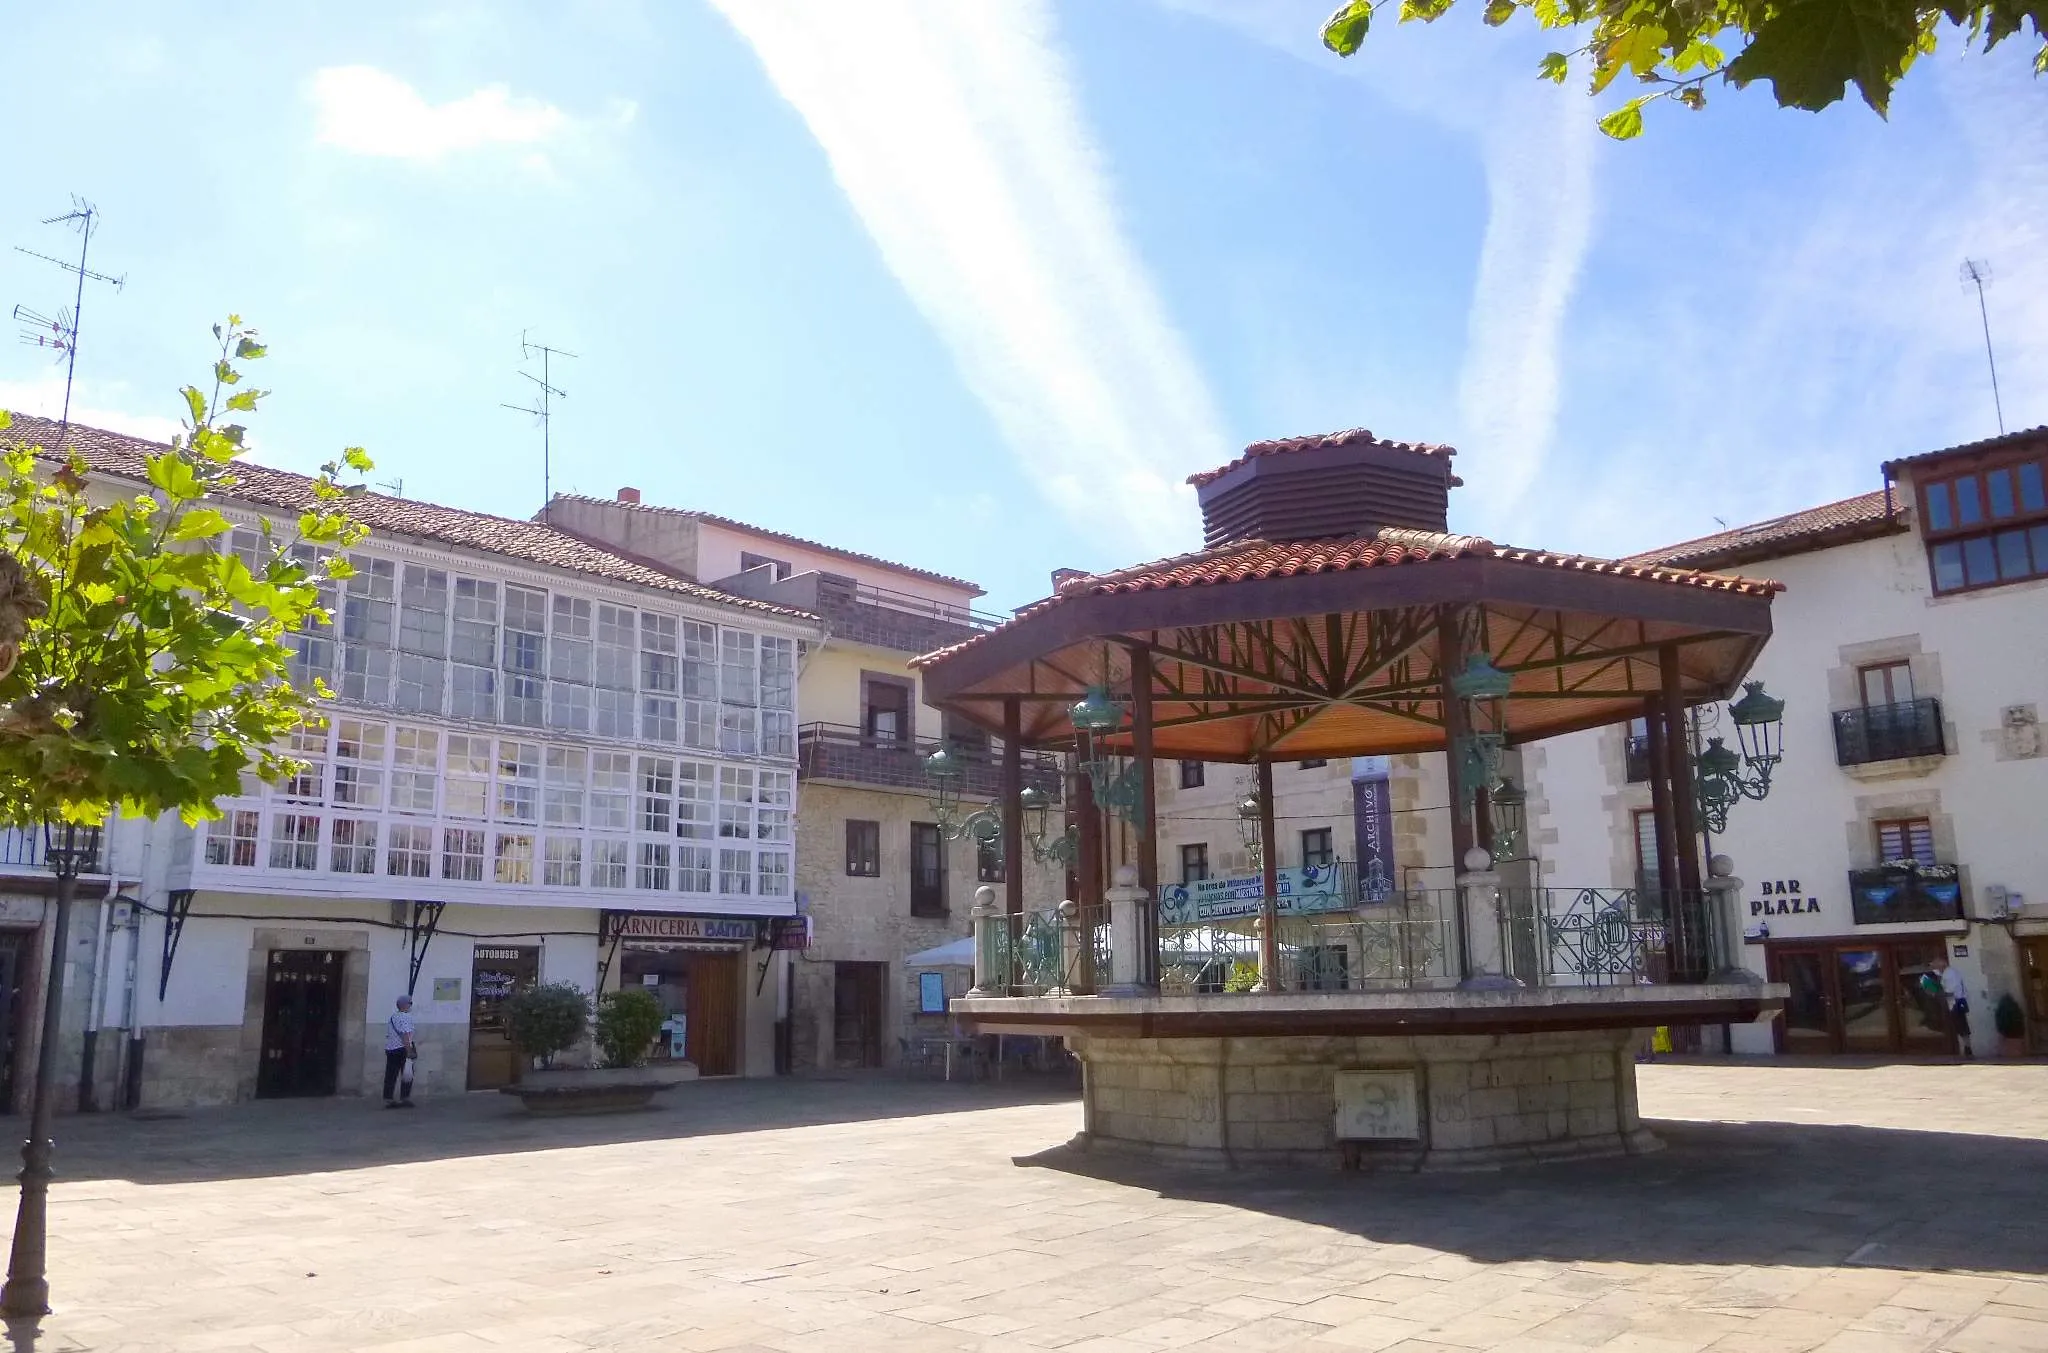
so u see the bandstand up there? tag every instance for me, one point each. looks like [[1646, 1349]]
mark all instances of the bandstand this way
[[1332, 614]]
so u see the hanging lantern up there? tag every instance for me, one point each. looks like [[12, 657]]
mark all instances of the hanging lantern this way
[[1095, 713], [1509, 804], [1482, 689], [943, 772], [1759, 726]]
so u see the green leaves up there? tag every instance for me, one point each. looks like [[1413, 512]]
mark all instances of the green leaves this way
[[1811, 50], [1498, 12], [1626, 122], [1344, 31], [1428, 11], [1554, 67]]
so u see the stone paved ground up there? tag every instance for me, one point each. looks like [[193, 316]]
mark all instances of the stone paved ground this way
[[1886, 1209]]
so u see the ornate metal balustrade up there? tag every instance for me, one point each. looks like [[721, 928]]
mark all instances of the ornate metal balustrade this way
[[1610, 936], [1408, 940], [1888, 732], [844, 753], [1060, 950]]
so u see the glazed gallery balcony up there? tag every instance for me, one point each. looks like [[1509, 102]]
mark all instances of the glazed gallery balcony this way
[[847, 755], [1873, 733]]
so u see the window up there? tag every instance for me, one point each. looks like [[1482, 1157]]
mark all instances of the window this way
[[1987, 527], [885, 712], [739, 694], [1313, 763], [607, 864], [1889, 683], [613, 713], [778, 697], [513, 862], [658, 678], [863, 849], [415, 769], [774, 798], [988, 861], [652, 874], [1191, 773], [1636, 751], [409, 852], [611, 791], [1645, 825], [353, 849], [359, 764], [1324, 967], [309, 747], [368, 611], [778, 568], [525, 655], [657, 796], [473, 647], [462, 854], [1903, 839], [1194, 861], [735, 872], [699, 681], [696, 802], [562, 862], [570, 665], [518, 798], [312, 644], [1315, 847], [295, 841], [693, 869], [563, 775], [927, 870], [422, 640], [231, 839], [772, 873], [466, 789]]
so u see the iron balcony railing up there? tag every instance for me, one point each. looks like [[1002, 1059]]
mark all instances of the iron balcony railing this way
[[1061, 950], [1906, 890], [1888, 732], [827, 751], [1611, 936], [22, 848], [1636, 755]]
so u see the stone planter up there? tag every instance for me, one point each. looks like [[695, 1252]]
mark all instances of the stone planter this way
[[2012, 1047], [591, 1089]]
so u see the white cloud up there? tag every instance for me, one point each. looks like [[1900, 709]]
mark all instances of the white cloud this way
[[366, 111], [956, 134], [91, 406]]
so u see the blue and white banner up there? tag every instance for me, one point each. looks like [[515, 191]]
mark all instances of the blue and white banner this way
[[1304, 891]]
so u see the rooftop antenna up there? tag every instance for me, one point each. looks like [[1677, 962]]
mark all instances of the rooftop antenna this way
[[1975, 273], [61, 330], [544, 410]]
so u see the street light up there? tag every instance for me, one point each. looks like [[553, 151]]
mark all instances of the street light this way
[[1509, 804], [1721, 778], [1094, 717], [68, 849], [1251, 831], [1482, 689]]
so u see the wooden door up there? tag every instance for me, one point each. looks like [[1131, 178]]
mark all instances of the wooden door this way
[[713, 1038], [857, 1014], [496, 974], [1922, 1012], [1863, 999], [2034, 981], [301, 1024]]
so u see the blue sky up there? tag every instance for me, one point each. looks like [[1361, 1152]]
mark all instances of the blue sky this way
[[976, 286]]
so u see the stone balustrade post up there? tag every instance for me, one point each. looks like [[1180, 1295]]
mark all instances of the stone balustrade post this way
[[1724, 904], [991, 945], [1125, 899], [1479, 899]]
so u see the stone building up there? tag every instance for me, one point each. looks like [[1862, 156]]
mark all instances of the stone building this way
[[878, 876]]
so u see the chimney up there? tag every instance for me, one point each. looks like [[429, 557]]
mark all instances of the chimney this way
[[1314, 488], [629, 496], [1062, 576]]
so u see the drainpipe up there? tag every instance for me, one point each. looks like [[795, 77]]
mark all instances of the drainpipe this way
[[96, 1000]]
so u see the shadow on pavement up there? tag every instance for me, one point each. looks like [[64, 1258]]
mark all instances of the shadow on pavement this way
[[1721, 1193], [281, 1137]]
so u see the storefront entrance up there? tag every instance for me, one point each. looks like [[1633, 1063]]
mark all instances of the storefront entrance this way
[[13, 967], [699, 991], [301, 1023], [495, 975], [857, 1008], [1861, 996]]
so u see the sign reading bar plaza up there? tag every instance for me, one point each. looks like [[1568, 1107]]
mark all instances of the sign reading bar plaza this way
[[1304, 891]]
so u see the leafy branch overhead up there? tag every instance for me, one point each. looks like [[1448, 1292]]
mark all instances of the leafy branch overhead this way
[[1810, 51], [154, 663]]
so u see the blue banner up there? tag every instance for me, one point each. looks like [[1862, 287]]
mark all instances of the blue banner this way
[[1304, 891]]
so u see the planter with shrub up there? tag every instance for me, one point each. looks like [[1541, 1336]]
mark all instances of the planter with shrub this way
[[2011, 1022], [548, 1020]]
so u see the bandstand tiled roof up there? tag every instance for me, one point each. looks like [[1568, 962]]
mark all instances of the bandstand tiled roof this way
[[118, 454], [1280, 446]]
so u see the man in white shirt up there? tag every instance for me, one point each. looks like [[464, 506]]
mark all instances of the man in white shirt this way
[[399, 1049], [1955, 994]]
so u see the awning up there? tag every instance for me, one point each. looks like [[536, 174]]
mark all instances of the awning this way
[[952, 954]]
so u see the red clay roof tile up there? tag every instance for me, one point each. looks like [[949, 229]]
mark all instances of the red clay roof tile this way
[[1280, 446], [1867, 514]]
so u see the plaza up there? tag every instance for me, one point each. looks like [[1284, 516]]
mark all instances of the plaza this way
[[1883, 1208]]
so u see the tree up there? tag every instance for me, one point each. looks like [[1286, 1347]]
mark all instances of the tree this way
[[152, 668], [1809, 50]]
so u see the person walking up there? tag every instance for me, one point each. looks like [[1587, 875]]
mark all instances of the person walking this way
[[1955, 994], [400, 1050]]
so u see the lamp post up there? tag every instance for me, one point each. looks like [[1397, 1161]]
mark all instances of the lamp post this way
[[1721, 777], [1509, 804], [944, 772], [1248, 810], [68, 848]]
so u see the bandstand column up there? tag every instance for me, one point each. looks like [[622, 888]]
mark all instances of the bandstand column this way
[[1088, 873], [1013, 807], [1678, 762], [1658, 751], [1269, 902], [1147, 973], [1450, 658]]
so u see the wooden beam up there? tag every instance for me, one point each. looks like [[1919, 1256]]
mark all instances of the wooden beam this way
[[1147, 975], [1269, 869]]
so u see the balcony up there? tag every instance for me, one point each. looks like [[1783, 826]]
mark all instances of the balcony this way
[[1876, 733], [1906, 890], [21, 850], [837, 752], [1636, 756], [858, 613]]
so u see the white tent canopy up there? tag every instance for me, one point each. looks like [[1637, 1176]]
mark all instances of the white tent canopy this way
[[952, 954]]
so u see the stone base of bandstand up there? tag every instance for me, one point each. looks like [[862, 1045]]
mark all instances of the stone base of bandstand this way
[[1481, 1100]]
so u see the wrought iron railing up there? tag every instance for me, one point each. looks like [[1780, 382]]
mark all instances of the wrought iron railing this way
[[1610, 936], [1906, 890], [1888, 732], [828, 751], [1408, 940], [22, 848], [1060, 950]]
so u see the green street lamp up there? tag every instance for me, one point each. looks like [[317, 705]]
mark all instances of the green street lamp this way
[[1509, 804], [1721, 777], [1094, 717], [1482, 689], [1250, 831]]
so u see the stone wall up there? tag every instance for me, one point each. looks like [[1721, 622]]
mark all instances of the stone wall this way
[[1483, 1100]]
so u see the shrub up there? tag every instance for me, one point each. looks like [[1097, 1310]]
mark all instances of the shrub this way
[[2010, 1019], [1243, 976], [627, 1021], [548, 1019]]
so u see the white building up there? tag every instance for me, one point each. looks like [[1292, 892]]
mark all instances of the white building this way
[[544, 761], [1911, 650]]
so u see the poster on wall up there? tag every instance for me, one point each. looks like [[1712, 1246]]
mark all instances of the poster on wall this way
[[1372, 816], [931, 993], [1302, 892]]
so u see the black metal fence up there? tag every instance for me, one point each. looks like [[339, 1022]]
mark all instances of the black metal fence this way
[[1888, 732]]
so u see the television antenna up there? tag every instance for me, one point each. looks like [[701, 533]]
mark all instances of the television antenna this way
[[1975, 273], [60, 331], [542, 408]]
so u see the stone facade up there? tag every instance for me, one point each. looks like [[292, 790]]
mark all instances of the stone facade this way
[[1484, 1100]]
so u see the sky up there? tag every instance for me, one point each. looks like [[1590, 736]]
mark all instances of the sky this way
[[976, 287]]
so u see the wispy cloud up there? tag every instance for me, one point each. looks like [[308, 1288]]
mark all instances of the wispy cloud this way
[[956, 134], [367, 111], [91, 406]]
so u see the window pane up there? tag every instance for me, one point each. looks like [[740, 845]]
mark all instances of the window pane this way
[[1948, 567], [514, 860], [1969, 510], [2012, 555], [423, 612], [1939, 515], [1980, 561], [562, 862], [476, 622], [1998, 488], [607, 864], [2031, 496], [2039, 536]]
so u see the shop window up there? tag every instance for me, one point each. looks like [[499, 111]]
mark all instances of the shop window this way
[[988, 861], [1315, 847], [863, 849], [231, 839], [927, 870], [1194, 862], [1191, 773]]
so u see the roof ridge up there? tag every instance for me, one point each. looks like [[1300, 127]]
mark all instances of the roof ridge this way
[[1756, 534]]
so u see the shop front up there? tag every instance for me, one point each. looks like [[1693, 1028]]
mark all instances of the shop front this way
[[701, 970], [1864, 994]]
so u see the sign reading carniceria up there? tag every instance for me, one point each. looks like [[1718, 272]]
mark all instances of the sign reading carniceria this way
[[1311, 888]]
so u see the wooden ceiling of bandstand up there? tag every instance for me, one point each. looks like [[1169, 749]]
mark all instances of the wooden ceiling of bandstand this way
[[1340, 658]]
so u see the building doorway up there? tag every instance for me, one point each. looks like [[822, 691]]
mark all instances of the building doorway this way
[[496, 974], [13, 961], [301, 1023], [2034, 983], [699, 992], [857, 1007], [1861, 996]]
